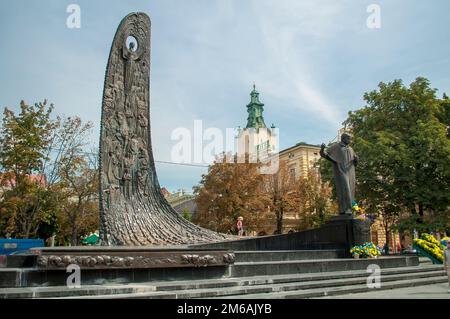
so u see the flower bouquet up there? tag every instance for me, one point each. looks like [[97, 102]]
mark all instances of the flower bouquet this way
[[366, 250], [430, 247], [444, 241], [356, 208], [360, 213]]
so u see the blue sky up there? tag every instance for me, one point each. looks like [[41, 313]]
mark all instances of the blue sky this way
[[311, 61]]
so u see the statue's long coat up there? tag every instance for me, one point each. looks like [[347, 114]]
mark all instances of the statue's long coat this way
[[344, 174]]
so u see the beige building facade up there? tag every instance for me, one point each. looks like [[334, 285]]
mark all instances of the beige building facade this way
[[300, 158]]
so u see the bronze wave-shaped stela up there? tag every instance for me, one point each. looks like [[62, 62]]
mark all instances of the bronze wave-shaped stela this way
[[133, 210]]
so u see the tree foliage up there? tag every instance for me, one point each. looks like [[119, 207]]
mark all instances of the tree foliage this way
[[47, 182], [24, 142], [404, 149], [230, 190], [315, 201], [280, 189]]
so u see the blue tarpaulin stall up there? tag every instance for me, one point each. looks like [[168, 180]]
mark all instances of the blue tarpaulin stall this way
[[15, 246]]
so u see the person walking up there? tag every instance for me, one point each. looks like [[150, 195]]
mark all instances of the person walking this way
[[240, 226]]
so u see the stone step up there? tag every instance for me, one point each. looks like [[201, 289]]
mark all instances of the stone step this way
[[286, 255], [206, 288], [42, 292], [59, 291], [425, 260], [306, 289], [278, 279], [32, 277], [294, 286], [341, 290], [244, 269]]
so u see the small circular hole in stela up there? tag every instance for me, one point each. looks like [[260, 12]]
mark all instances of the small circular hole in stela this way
[[132, 43]]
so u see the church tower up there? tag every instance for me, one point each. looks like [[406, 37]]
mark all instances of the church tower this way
[[255, 111], [256, 139]]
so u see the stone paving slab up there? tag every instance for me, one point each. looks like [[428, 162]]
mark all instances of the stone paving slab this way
[[236, 281], [348, 291], [281, 286], [435, 291]]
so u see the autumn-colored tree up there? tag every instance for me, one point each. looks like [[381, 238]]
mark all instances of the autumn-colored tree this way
[[230, 190], [44, 174], [281, 190], [76, 220], [75, 176], [23, 208], [78, 190], [25, 139], [314, 198]]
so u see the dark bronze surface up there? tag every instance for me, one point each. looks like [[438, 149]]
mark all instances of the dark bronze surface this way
[[133, 210], [101, 258], [344, 161]]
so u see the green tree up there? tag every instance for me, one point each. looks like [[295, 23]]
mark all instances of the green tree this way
[[25, 139], [186, 214], [444, 112], [404, 151], [48, 184]]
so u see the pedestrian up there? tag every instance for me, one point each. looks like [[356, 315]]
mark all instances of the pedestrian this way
[[239, 226], [386, 249]]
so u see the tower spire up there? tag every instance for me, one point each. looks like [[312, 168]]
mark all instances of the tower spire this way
[[255, 110]]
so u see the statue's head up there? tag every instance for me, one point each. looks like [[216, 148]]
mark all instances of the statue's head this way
[[346, 138]]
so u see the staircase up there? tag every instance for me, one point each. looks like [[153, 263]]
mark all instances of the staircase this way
[[261, 275]]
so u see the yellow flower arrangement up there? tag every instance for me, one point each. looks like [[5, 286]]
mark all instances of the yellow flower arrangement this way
[[366, 250], [356, 208], [430, 239], [428, 245], [359, 212]]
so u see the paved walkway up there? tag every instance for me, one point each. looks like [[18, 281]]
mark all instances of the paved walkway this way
[[436, 291]]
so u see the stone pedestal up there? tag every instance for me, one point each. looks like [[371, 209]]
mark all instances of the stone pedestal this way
[[99, 257], [349, 230], [340, 232], [48, 266]]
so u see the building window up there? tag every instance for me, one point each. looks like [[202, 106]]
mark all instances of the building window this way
[[292, 171]]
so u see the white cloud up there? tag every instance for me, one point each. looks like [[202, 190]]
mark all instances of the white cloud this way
[[291, 33], [310, 59]]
